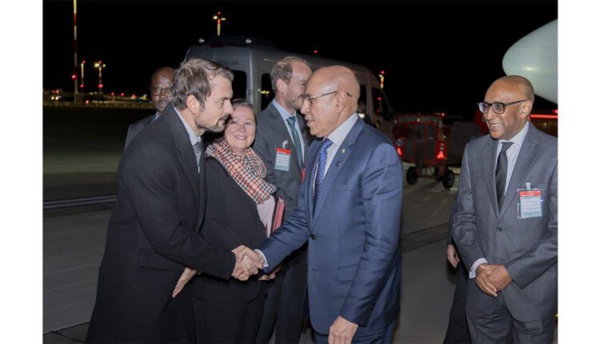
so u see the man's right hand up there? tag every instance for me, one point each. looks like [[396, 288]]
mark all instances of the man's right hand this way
[[483, 272], [247, 263]]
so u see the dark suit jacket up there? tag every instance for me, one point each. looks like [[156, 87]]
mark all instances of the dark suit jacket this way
[[231, 220], [526, 247], [136, 127], [353, 252], [152, 235], [271, 132]]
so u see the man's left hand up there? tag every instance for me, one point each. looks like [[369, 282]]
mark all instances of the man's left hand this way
[[342, 331], [186, 276]]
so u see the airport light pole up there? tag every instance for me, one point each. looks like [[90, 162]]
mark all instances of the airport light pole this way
[[218, 18], [81, 86], [99, 65], [75, 62]]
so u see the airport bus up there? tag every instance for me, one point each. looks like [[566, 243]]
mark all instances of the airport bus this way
[[252, 60]]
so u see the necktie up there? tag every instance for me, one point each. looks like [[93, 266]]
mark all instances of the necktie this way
[[501, 169], [321, 168], [291, 121], [198, 148]]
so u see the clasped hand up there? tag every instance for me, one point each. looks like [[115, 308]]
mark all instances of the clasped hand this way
[[492, 278], [247, 263]]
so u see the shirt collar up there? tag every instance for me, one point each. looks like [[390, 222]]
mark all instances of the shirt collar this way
[[193, 137], [283, 112], [520, 137], [338, 135]]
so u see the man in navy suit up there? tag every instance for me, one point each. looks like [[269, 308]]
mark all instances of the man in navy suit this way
[[160, 93], [349, 212], [506, 226]]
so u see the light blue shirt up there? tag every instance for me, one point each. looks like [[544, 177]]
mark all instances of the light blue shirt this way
[[337, 136], [285, 115]]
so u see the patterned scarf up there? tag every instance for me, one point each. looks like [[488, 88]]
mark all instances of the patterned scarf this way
[[248, 172]]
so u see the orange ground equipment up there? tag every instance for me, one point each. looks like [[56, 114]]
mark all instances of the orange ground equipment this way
[[420, 139]]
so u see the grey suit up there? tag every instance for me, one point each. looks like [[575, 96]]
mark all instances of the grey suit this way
[[271, 133], [526, 247]]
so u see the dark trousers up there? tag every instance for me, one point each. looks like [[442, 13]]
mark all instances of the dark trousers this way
[[227, 322], [284, 307], [458, 330], [500, 327]]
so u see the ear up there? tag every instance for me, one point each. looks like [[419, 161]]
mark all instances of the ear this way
[[192, 103], [280, 84], [341, 100], [526, 109]]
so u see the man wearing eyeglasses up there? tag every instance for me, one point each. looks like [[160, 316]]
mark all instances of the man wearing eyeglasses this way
[[349, 213], [160, 93], [505, 225]]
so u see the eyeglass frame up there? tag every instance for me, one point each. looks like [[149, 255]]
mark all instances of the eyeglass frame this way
[[160, 90], [309, 98], [491, 106]]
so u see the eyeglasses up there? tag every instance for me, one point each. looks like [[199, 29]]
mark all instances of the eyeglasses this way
[[156, 91], [310, 98], [497, 107]]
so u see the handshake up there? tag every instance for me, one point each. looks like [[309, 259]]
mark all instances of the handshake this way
[[247, 263]]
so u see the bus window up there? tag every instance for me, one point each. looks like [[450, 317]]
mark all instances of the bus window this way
[[266, 92], [239, 84]]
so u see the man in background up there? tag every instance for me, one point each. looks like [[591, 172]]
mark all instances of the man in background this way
[[282, 141], [506, 224], [160, 93]]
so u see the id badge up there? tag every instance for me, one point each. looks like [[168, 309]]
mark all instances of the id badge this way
[[530, 203], [282, 159]]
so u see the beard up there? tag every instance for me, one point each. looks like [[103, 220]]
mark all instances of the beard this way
[[217, 127]]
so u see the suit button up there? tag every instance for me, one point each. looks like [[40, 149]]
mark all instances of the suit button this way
[[499, 229], [313, 237]]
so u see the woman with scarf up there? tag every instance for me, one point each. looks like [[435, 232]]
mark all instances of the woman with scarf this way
[[239, 211]]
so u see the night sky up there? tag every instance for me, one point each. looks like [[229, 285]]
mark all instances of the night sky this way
[[449, 52]]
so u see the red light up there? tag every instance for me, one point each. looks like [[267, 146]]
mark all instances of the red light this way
[[122, 94], [382, 72], [74, 76], [556, 111], [315, 52], [399, 151], [100, 85], [441, 155], [81, 86], [112, 93]]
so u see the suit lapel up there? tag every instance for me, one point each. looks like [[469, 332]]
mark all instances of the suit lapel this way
[[186, 157], [337, 164], [489, 173], [525, 159], [309, 178]]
